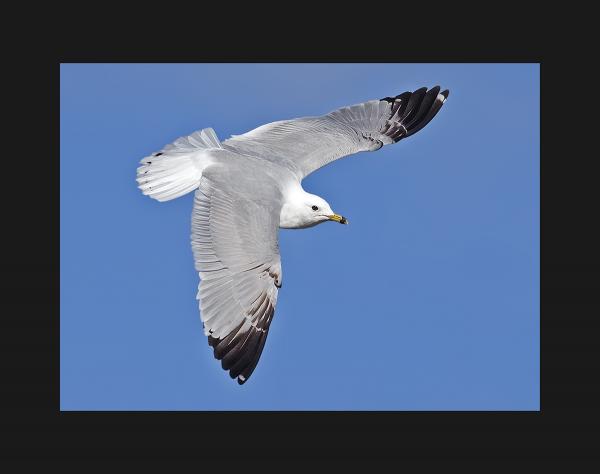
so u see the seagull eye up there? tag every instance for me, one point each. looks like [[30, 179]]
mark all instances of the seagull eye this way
[[315, 208]]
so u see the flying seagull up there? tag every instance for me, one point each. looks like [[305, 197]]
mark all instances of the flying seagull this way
[[249, 186]]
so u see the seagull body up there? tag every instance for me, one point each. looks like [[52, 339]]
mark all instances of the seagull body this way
[[249, 186]]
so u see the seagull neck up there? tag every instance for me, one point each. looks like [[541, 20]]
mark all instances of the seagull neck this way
[[293, 192], [293, 215]]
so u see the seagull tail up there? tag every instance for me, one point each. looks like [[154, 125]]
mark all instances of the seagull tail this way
[[176, 169]]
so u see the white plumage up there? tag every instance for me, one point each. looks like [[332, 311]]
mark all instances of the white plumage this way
[[250, 185]]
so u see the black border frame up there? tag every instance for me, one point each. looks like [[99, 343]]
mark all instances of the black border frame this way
[[566, 426]]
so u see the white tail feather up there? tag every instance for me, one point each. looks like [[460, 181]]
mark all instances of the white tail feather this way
[[177, 168]]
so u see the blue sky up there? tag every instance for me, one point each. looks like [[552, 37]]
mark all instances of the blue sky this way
[[428, 300]]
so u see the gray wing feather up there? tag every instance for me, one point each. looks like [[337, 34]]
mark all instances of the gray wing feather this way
[[236, 252], [306, 144]]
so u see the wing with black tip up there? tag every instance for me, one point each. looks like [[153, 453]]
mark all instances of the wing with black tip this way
[[306, 144], [234, 240]]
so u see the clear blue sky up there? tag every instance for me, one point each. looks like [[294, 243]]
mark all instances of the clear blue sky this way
[[428, 300]]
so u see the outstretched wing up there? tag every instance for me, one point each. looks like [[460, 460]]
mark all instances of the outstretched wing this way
[[236, 252], [306, 144]]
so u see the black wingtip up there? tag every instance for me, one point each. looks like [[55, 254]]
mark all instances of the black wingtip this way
[[415, 110], [241, 349], [434, 90]]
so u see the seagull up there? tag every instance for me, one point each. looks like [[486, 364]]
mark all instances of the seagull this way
[[249, 186]]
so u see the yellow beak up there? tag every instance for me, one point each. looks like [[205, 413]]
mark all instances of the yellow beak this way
[[338, 218]]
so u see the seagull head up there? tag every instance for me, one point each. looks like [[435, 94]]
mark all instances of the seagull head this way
[[308, 210], [320, 211]]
